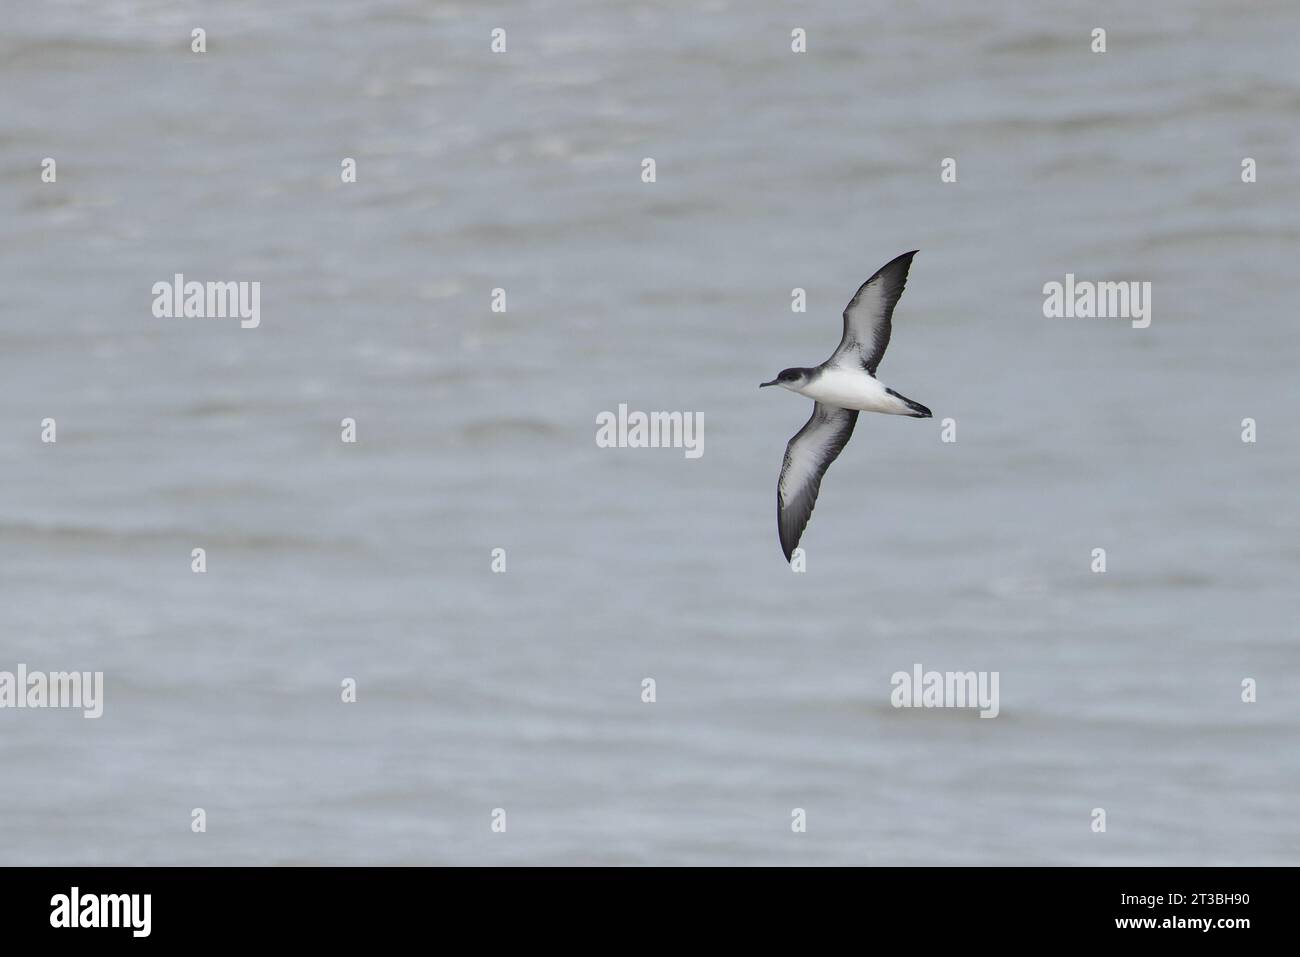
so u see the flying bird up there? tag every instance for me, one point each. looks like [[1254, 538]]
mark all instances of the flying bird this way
[[841, 387]]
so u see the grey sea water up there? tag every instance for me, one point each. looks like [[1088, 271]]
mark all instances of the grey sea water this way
[[476, 431]]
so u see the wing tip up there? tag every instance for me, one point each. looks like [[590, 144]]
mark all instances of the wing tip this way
[[782, 531], [786, 530], [896, 269]]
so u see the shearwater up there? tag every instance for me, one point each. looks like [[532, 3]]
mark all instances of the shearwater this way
[[841, 387]]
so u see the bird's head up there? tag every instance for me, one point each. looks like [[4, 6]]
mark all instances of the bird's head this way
[[789, 378]]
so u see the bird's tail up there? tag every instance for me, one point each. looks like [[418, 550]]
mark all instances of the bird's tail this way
[[915, 410]]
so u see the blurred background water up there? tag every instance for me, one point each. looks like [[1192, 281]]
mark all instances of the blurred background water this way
[[476, 431]]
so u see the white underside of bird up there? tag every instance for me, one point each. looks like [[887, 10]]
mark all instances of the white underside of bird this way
[[847, 388]]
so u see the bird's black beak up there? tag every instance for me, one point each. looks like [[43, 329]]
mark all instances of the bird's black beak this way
[[761, 384]]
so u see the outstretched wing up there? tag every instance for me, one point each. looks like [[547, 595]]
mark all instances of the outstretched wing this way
[[868, 315], [807, 456]]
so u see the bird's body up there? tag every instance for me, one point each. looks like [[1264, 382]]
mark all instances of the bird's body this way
[[841, 387], [848, 388]]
